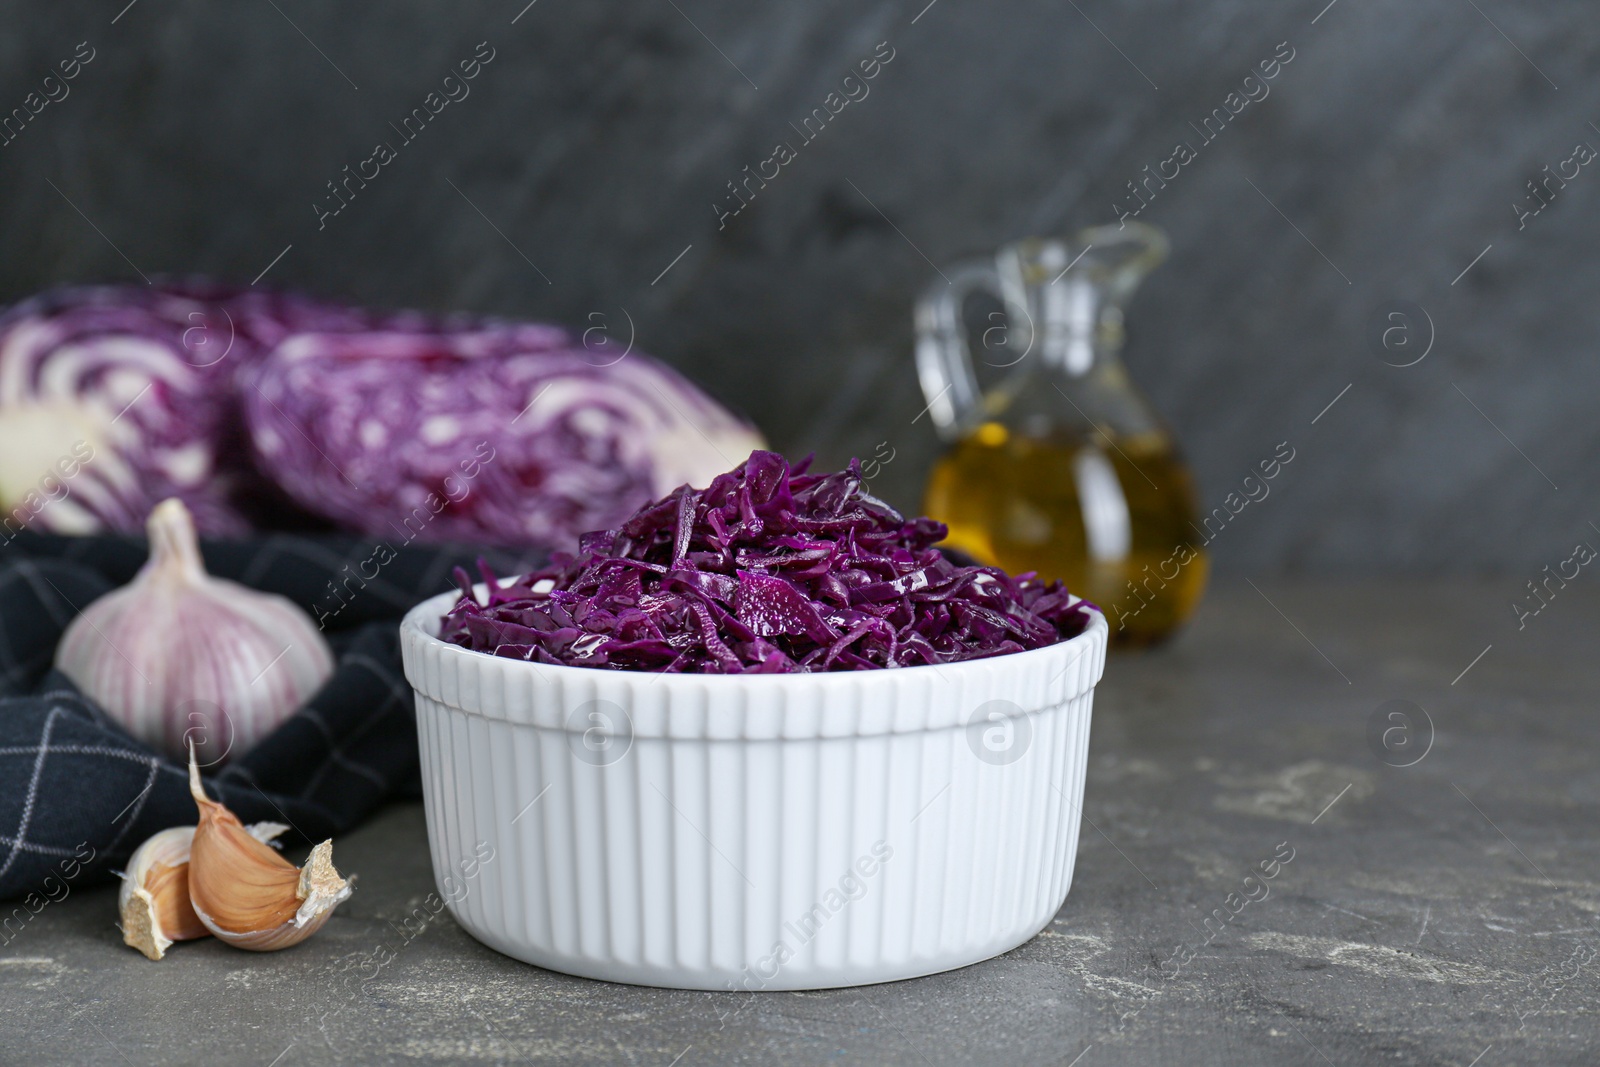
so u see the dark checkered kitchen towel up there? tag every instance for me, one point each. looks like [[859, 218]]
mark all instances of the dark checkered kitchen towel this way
[[74, 784]]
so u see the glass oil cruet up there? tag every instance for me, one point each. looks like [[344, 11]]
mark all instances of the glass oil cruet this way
[[1060, 466]]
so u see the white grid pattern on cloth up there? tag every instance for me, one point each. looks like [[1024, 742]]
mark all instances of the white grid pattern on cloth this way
[[137, 805], [54, 585], [18, 842], [334, 756], [51, 598], [64, 696]]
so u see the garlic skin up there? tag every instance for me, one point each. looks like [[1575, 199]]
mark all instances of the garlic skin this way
[[248, 895], [154, 899], [177, 654]]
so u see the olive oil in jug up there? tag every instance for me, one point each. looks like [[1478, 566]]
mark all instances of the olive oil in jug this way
[[1062, 468]]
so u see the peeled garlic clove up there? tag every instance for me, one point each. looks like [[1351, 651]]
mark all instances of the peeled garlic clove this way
[[247, 894], [177, 654], [154, 900]]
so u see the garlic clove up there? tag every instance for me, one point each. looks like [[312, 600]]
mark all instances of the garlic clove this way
[[177, 655], [246, 893], [154, 900]]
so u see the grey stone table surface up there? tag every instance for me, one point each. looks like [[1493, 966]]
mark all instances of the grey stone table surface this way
[[1443, 912]]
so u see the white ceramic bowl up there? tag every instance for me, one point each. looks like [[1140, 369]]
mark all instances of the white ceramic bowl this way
[[752, 832]]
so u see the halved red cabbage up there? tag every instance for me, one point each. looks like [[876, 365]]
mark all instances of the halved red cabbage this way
[[396, 424], [500, 433], [143, 376], [766, 570]]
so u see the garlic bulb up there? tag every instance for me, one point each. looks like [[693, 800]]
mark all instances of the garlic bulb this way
[[154, 900], [245, 893], [178, 655]]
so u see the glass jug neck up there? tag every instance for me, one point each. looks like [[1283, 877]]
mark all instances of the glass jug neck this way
[[1075, 328], [1063, 303]]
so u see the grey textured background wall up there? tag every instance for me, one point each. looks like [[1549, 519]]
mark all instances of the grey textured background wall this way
[[593, 147]]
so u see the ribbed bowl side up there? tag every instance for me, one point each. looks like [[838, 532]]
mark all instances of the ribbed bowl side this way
[[752, 864], [752, 836]]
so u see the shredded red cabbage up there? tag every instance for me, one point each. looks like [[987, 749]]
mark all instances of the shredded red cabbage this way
[[766, 570]]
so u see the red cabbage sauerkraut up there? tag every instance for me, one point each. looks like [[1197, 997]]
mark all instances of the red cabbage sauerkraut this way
[[767, 570]]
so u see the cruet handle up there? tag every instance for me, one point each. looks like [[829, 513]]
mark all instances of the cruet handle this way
[[944, 357]]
